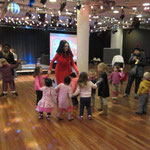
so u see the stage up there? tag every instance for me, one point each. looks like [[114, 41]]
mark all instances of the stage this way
[[29, 68]]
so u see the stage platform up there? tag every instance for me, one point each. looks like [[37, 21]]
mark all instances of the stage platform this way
[[29, 68]]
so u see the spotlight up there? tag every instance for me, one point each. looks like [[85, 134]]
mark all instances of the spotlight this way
[[122, 15], [43, 1], [31, 2], [78, 6], [41, 17], [62, 6], [114, 31]]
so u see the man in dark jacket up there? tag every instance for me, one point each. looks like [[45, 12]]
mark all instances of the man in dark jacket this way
[[137, 62], [5, 53]]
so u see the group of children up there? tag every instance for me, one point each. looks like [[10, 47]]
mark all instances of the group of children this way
[[83, 85]]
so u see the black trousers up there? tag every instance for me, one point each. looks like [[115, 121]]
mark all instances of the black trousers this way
[[39, 96], [85, 101], [74, 101], [129, 84]]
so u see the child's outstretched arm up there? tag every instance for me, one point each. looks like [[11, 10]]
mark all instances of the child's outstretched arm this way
[[76, 92], [13, 66], [99, 81]]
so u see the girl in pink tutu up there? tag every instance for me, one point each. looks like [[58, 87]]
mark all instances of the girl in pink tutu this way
[[64, 98], [46, 104]]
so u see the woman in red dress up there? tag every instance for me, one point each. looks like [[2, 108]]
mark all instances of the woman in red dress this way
[[64, 58]]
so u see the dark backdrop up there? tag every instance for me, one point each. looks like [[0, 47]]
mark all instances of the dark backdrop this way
[[141, 36], [97, 42], [31, 44]]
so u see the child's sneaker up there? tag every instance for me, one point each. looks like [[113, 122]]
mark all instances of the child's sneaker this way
[[15, 94], [3, 95], [80, 117], [48, 117], [89, 117], [40, 116]]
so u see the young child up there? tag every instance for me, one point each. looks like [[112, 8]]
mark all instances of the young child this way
[[115, 77], [7, 76], [64, 98], [74, 84], [39, 82], [85, 89], [46, 104], [92, 76], [103, 87], [143, 93]]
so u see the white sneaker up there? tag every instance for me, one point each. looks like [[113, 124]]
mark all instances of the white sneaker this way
[[37, 109]]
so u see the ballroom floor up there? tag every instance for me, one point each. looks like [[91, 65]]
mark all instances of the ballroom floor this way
[[20, 128]]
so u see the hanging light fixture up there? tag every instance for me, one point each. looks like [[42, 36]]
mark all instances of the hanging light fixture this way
[[13, 8]]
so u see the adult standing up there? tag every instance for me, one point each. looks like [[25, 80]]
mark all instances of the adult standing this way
[[137, 62], [64, 58], [5, 53], [15, 58]]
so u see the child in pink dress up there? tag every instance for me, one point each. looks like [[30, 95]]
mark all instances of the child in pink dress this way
[[39, 82], [115, 77], [46, 104], [64, 98]]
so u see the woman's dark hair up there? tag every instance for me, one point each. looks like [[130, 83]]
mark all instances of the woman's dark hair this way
[[61, 47], [73, 75], [83, 79], [37, 71], [48, 82], [67, 80]]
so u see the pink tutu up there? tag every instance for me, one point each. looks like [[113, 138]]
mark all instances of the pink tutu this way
[[69, 109], [41, 109]]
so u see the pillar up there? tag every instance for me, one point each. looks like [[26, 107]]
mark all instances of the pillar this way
[[117, 40], [83, 39]]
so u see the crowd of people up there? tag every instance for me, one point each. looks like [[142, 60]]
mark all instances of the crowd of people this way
[[71, 85]]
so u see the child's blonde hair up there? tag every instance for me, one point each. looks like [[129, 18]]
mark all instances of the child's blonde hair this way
[[146, 75], [103, 66], [2, 61], [92, 72]]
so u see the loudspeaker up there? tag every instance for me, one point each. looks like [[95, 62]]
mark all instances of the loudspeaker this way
[[43, 1]]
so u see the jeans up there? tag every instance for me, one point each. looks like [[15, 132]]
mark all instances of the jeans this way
[[74, 101], [85, 101], [11, 85], [15, 73], [39, 96], [143, 102], [129, 84], [93, 98]]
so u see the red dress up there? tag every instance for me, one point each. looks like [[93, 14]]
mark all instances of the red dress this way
[[63, 67]]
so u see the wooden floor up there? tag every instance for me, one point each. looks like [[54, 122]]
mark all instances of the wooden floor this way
[[20, 128]]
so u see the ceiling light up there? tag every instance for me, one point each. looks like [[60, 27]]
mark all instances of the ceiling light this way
[[115, 11], [101, 7], [139, 16], [112, 8], [134, 8], [92, 7], [146, 4], [52, 1]]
